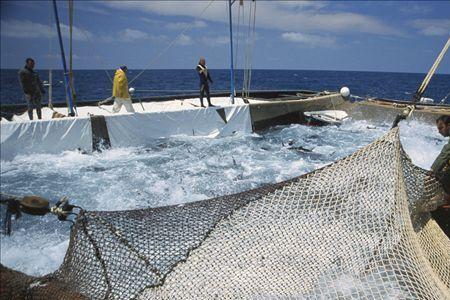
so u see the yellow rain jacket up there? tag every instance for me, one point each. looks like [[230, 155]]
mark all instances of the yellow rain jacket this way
[[120, 85]]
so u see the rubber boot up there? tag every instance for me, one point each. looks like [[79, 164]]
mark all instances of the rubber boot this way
[[39, 113], [30, 114]]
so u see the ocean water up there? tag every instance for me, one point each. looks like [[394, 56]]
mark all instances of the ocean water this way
[[182, 169], [177, 170], [96, 84]]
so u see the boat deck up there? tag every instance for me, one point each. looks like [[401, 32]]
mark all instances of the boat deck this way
[[144, 107]]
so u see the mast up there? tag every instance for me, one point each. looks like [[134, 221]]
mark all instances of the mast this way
[[74, 95], [50, 75], [50, 88], [63, 57], [230, 3]]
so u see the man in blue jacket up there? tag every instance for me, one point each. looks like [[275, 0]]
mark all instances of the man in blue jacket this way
[[32, 88]]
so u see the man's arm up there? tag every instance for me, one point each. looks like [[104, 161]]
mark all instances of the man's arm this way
[[442, 159], [41, 85]]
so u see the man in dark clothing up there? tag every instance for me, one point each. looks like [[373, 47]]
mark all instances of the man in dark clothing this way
[[204, 76], [32, 88], [441, 170], [441, 166]]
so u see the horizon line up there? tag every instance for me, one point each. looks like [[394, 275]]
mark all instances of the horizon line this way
[[254, 69]]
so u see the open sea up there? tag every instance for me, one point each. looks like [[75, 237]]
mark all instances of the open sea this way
[[96, 84], [182, 169]]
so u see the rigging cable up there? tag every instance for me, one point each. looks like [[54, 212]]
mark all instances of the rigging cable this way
[[245, 62], [74, 95], [102, 62], [410, 108], [249, 47], [172, 42], [50, 75], [445, 98], [430, 74], [244, 83], [236, 56], [252, 44]]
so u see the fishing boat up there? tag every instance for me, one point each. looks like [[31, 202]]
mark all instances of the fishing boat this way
[[91, 125], [357, 227]]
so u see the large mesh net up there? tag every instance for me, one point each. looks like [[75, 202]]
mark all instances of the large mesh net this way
[[358, 228]]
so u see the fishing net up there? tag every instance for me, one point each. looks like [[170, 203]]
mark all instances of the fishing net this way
[[356, 229]]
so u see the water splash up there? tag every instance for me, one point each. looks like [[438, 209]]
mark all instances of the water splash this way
[[178, 170]]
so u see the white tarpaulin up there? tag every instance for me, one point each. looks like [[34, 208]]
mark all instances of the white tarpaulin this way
[[45, 136], [140, 128], [134, 129]]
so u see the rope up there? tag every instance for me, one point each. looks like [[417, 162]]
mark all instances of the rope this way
[[50, 50], [431, 72], [236, 56], [102, 62], [445, 98], [173, 41], [136, 91], [410, 108], [249, 48], [252, 44], [71, 55], [244, 83]]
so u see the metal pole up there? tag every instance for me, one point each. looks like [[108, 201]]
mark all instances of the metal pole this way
[[63, 57], [72, 87], [50, 88], [230, 3]]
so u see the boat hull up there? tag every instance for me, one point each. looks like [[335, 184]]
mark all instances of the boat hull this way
[[380, 110]]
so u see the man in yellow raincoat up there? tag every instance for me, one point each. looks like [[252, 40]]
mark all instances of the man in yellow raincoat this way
[[120, 91]]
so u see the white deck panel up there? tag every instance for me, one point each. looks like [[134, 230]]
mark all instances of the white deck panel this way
[[162, 106], [152, 121]]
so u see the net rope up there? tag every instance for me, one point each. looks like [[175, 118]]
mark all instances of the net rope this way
[[356, 229]]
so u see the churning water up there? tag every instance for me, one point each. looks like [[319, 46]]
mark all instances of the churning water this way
[[177, 170]]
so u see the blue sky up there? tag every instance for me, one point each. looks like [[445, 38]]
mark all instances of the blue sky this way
[[394, 36]]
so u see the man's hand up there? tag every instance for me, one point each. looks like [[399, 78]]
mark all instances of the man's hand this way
[[446, 198]]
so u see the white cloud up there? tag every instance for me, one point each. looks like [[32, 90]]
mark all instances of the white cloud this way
[[27, 29], [168, 8], [215, 41], [88, 7], [415, 9], [151, 21], [184, 40], [183, 25], [77, 33], [432, 27], [130, 35], [309, 16], [309, 39], [302, 5]]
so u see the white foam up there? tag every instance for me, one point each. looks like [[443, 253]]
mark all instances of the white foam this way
[[177, 170]]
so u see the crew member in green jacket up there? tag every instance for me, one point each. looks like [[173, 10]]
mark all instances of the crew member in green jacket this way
[[441, 170], [441, 166]]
